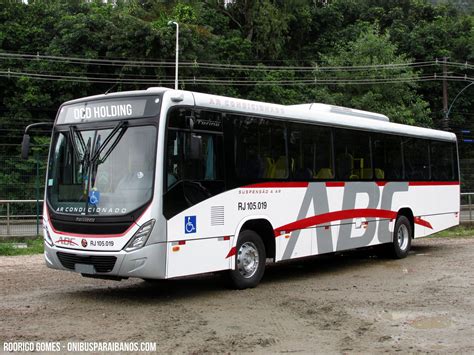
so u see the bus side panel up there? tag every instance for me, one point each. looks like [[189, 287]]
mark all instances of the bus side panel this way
[[307, 218], [435, 206], [430, 200], [198, 256], [302, 240], [441, 222], [419, 231]]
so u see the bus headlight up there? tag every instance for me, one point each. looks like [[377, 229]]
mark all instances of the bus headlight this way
[[141, 236], [47, 236]]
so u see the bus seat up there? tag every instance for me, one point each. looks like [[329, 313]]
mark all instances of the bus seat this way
[[269, 167], [281, 168], [324, 173], [379, 173]]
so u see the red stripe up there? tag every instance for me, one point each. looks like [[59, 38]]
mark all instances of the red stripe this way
[[92, 235], [232, 252], [96, 235], [335, 184], [423, 223], [334, 216], [342, 215], [275, 184], [432, 183], [293, 184]]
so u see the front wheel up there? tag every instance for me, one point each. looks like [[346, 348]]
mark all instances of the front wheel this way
[[250, 260], [402, 235]]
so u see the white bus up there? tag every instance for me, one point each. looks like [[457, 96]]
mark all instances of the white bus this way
[[161, 183]]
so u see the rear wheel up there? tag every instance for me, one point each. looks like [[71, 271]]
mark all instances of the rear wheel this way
[[402, 235], [250, 260]]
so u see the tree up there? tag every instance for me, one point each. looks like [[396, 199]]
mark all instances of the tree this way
[[399, 100]]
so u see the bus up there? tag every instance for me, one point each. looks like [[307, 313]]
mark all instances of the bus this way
[[162, 183]]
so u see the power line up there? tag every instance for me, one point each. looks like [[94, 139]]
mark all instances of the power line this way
[[197, 81], [37, 55], [223, 66]]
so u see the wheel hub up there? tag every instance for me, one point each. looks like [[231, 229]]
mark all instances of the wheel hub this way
[[403, 237], [247, 259]]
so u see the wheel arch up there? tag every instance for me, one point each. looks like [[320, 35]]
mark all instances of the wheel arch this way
[[408, 213], [263, 227]]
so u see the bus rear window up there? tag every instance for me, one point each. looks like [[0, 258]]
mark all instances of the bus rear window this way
[[443, 161]]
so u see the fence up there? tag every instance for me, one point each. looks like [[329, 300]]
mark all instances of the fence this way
[[12, 224], [21, 181], [18, 220], [467, 208], [467, 174]]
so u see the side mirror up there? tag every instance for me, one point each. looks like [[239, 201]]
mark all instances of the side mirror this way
[[195, 147], [25, 146]]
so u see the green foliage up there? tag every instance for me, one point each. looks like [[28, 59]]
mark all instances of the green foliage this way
[[456, 232], [34, 246], [184, 13], [241, 32], [399, 100]]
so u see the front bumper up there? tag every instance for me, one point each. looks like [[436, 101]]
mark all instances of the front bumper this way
[[148, 262]]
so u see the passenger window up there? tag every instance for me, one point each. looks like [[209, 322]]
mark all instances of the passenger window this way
[[194, 159], [416, 159], [311, 151], [442, 161], [352, 152], [260, 148], [183, 166], [194, 155], [388, 158]]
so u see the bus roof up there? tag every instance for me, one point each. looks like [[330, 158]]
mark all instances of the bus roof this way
[[314, 112]]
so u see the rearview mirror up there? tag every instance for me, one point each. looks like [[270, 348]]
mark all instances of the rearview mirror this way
[[25, 146], [195, 147]]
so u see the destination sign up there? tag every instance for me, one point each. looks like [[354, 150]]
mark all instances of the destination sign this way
[[102, 110]]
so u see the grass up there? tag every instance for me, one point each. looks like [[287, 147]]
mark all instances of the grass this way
[[456, 232], [33, 246]]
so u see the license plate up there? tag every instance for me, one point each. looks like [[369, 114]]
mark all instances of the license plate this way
[[85, 268]]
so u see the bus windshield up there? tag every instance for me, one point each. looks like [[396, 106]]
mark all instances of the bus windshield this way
[[102, 172]]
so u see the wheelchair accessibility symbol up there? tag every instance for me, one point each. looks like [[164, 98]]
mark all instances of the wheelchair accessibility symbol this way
[[189, 224], [94, 197]]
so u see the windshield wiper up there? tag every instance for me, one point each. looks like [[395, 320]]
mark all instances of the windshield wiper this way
[[73, 134], [99, 148], [85, 158], [120, 128]]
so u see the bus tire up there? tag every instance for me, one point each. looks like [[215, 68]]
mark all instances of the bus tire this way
[[402, 235], [250, 260]]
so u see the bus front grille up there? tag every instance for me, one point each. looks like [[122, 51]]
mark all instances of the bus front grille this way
[[101, 263]]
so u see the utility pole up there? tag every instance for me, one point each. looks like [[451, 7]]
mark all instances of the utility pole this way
[[445, 123], [171, 23]]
